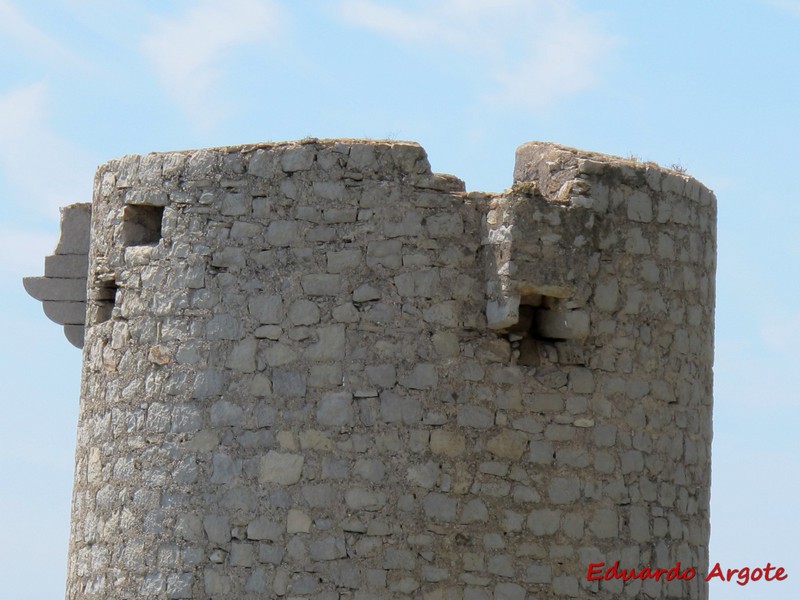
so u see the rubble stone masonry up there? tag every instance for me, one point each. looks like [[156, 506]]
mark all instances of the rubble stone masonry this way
[[318, 370]]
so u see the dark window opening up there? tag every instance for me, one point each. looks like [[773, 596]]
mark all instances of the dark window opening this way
[[543, 323], [105, 299], [141, 224]]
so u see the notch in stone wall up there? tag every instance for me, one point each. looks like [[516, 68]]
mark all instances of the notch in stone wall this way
[[545, 327], [141, 224], [105, 297]]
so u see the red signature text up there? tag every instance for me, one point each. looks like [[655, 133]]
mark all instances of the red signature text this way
[[745, 575], [742, 576], [596, 573]]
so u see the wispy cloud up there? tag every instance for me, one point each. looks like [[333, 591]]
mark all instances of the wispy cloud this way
[[790, 6], [32, 40], [534, 52], [187, 51], [22, 253], [44, 170]]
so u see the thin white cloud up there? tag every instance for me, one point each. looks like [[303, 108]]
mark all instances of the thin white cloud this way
[[32, 40], [22, 253], [534, 52], [790, 6], [43, 171], [188, 52]]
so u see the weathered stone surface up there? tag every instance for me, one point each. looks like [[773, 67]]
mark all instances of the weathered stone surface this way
[[440, 507], [475, 416], [448, 443], [267, 308], [336, 410], [75, 230], [317, 369], [243, 356], [51, 288], [566, 325], [304, 312], [281, 468], [508, 444]]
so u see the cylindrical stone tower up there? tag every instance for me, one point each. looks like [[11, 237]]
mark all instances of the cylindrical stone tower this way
[[318, 370]]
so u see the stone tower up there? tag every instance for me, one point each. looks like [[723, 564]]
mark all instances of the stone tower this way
[[318, 370]]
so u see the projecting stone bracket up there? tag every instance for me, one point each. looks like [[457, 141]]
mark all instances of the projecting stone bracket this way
[[537, 243], [62, 290]]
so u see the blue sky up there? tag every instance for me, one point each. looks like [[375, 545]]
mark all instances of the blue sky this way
[[711, 86]]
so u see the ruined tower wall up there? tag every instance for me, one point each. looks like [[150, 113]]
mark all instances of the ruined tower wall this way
[[319, 370]]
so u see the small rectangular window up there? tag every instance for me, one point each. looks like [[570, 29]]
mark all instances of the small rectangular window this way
[[141, 224]]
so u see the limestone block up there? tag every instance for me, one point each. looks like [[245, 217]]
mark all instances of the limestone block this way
[[65, 312], [75, 334], [315, 440], [446, 344], [501, 315], [444, 225], [243, 356], [444, 313], [364, 499], [241, 230], [606, 295], [384, 375], [440, 507], [343, 260], [566, 325], [328, 548], [288, 384], [371, 469], [475, 511], [297, 522], [228, 258], [365, 293], [329, 190], [400, 409], [422, 377], [447, 442], [564, 490], [267, 308], [425, 475], [321, 284], [75, 229], [282, 233], [336, 410], [330, 344], [544, 521], [640, 207], [242, 555], [264, 528], [605, 523], [217, 528], [224, 413], [386, 253], [67, 266], [566, 586], [298, 159], [283, 468], [581, 380], [508, 444], [475, 416]]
